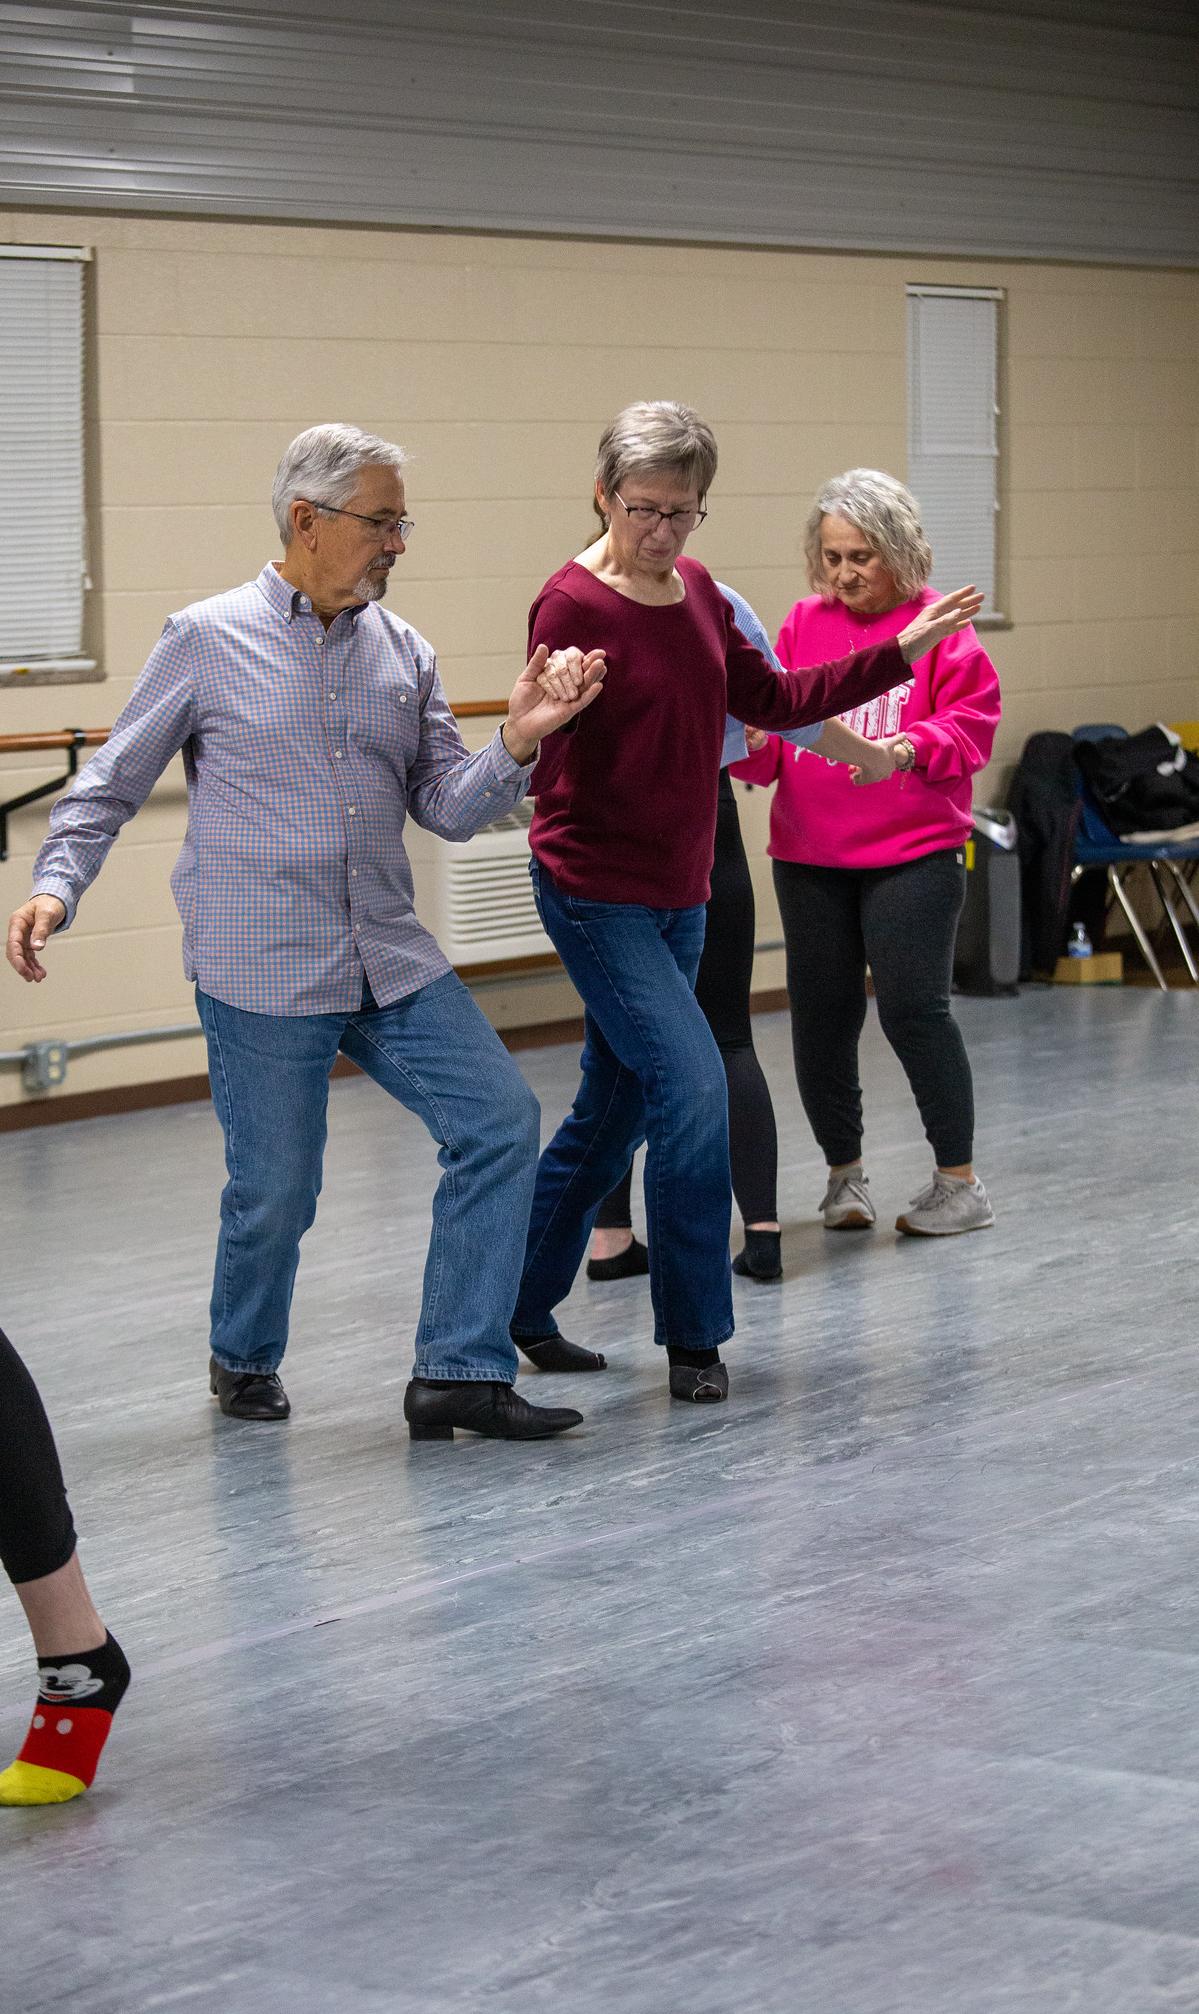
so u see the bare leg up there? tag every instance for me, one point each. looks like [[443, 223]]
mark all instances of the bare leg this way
[[610, 1244], [60, 1612], [612, 1235]]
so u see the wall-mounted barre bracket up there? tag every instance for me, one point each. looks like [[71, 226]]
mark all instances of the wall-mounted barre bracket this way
[[78, 741]]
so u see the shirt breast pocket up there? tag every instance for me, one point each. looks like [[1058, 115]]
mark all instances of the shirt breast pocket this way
[[387, 725]]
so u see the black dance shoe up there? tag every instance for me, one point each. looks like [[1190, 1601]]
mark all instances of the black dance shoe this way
[[762, 1258], [433, 1407], [554, 1353], [248, 1395], [705, 1383], [627, 1265]]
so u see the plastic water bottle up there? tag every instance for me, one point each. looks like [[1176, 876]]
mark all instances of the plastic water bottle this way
[[1080, 944]]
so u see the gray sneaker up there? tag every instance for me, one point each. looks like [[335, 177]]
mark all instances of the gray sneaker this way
[[846, 1205], [948, 1205]]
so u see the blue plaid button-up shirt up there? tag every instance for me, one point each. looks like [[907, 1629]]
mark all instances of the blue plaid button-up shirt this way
[[304, 751]]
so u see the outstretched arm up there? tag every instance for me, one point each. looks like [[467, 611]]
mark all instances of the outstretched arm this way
[[150, 731], [766, 698]]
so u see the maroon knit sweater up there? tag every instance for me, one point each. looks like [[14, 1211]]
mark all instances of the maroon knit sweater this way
[[626, 795]]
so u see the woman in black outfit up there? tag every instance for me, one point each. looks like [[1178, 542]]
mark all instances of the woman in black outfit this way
[[722, 988]]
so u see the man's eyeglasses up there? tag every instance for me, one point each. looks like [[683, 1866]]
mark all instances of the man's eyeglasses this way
[[387, 527], [646, 518]]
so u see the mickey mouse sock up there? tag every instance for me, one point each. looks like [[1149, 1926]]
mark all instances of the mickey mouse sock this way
[[76, 1699]]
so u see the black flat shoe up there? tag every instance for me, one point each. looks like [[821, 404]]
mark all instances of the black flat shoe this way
[[554, 1353], [762, 1258], [627, 1265], [706, 1386], [433, 1407], [248, 1395]]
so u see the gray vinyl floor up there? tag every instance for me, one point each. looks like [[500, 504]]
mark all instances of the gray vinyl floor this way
[[873, 1692]]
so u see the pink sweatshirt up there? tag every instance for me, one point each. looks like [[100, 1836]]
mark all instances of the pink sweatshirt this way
[[949, 709]]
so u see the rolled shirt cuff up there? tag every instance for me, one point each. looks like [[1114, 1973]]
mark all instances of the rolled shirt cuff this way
[[506, 763]]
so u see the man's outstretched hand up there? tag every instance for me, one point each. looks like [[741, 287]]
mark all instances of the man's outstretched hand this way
[[28, 928], [552, 689]]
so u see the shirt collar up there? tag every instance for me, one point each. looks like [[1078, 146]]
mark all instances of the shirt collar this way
[[289, 601]]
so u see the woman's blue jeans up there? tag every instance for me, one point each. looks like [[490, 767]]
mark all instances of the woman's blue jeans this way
[[436, 1054], [651, 1071]]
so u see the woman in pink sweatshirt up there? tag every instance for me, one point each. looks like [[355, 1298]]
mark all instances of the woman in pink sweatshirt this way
[[877, 877]]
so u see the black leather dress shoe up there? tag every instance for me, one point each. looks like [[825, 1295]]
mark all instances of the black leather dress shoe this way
[[433, 1407], [248, 1395], [627, 1265], [554, 1353]]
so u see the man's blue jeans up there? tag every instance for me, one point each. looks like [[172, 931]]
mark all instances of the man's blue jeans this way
[[437, 1055], [651, 1071]]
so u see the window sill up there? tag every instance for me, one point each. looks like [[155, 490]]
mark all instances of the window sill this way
[[51, 671]]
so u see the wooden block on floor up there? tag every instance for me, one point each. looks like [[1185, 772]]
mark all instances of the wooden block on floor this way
[[1102, 968]]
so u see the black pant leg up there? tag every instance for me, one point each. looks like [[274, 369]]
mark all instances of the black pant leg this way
[[615, 1213], [37, 1535], [910, 919], [826, 988], [722, 988]]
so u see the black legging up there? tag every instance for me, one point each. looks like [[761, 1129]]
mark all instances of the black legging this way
[[722, 989], [901, 921], [37, 1535]]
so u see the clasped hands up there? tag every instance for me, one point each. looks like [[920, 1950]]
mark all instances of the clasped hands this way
[[564, 676], [553, 687]]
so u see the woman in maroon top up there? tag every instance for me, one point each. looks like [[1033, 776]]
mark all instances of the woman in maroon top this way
[[622, 840]]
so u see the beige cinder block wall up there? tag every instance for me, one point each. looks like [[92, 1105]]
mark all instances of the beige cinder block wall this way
[[497, 361]]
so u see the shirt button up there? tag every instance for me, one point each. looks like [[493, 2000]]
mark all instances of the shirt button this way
[[338, 753], [403, 699], [351, 809], [333, 694], [353, 873]]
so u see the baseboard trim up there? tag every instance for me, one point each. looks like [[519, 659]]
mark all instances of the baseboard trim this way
[[71, 1106]]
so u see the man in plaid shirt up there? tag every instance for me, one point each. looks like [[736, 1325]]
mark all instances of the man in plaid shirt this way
[[312, 723]]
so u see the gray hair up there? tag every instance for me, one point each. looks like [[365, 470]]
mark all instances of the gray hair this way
[[888, 517], [324, 464], [653, 436]]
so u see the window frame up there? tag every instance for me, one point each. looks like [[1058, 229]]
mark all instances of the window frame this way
[[998, 617], [79, 667]]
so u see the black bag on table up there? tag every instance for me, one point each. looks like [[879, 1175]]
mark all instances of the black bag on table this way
[[1143, 782]]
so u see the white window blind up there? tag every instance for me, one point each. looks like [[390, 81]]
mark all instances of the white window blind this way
[[42, 532], [953, 443]]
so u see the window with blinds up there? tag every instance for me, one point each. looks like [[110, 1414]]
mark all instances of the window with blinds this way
[[953, 438], [43, 561]]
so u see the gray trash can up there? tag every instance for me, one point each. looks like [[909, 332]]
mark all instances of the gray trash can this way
[[987, 955]]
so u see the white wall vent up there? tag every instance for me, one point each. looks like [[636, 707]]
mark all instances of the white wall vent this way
[[477, 899]]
